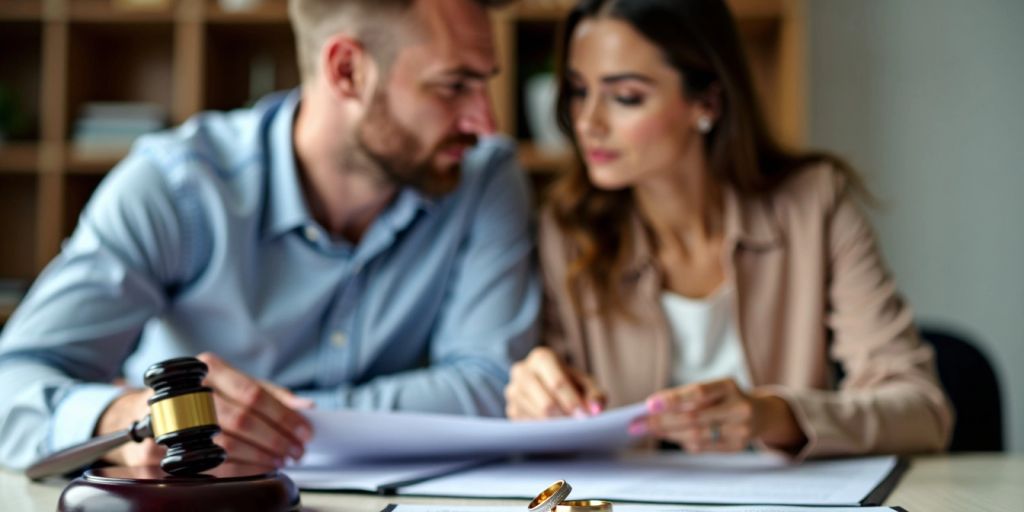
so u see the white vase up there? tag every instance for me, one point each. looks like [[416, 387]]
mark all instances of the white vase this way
[[238, 5], [541, 96]]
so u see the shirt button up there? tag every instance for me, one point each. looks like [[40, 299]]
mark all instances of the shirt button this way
[[338, 339], [311, 234]]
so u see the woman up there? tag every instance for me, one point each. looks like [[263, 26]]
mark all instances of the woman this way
[[697, 265]]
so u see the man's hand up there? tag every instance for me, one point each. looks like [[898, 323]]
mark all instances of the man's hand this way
[[120, 414], [259, 421]]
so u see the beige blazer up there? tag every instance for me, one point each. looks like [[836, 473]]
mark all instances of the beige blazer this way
[[811, 288]]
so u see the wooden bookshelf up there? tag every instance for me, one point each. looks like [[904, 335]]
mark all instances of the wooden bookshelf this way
[[190, 55]]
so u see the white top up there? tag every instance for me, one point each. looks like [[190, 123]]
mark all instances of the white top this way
[[705, 339]]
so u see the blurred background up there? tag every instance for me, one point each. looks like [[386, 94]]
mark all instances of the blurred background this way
[[922, 96]]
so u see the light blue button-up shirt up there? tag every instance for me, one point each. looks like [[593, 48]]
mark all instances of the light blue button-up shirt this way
[[200, 240]]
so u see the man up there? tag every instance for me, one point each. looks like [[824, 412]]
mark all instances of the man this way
[[332, 241]]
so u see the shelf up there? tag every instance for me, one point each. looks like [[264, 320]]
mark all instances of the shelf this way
[[21, 10], [19, 157], [113, 12], [92, 163]]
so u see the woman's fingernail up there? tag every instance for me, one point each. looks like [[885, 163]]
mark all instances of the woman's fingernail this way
[[295, 452], [303, 433], [638, 428], [579, 413], [595, 408], [656, 404]]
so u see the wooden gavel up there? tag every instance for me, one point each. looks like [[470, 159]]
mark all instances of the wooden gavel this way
[[181, 417]]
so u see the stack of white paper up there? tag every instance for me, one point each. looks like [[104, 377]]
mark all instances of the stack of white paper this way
[[728, 479]]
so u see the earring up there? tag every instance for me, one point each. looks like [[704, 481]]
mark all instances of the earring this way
[[704, 124]]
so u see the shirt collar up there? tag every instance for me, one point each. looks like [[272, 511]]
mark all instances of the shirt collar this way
[[286, 204]]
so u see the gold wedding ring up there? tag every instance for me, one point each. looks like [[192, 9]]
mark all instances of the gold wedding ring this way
[[553, 499], [584, 506], [549, 498]]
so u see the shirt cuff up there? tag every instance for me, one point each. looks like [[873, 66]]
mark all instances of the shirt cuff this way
[[323, 399], [77, 414]]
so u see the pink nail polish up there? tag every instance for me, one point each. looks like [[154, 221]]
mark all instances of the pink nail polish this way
[[579, 413], [638, 428], [595, 408], [656, 405]]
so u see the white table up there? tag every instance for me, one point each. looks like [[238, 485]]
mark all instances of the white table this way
[[963, 482]]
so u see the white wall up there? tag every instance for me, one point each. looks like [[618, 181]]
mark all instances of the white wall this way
[[926, 97]]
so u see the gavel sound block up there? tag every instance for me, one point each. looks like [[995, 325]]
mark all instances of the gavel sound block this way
[[191, 476], [229, 487]]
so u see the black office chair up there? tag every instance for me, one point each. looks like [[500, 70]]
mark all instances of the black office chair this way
[[973, 388]]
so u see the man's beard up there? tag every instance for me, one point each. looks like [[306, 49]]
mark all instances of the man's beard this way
[[388, 150]]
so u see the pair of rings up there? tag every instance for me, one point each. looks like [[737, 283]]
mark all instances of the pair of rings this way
[[553, 499]]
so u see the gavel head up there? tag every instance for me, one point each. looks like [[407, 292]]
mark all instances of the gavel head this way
[[183, 417]]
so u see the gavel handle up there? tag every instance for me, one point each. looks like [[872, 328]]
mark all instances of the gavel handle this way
[[88, 452]]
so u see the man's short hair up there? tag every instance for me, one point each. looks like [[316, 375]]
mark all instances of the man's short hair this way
[[372, 22]]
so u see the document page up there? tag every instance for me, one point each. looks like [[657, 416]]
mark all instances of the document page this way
[[675, 477], [343, 436], [372, 476]]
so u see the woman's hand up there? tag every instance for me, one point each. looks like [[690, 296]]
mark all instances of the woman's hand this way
[[541, 386], [718, 416]]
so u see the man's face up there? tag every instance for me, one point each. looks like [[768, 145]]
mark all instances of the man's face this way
[[433, 104]]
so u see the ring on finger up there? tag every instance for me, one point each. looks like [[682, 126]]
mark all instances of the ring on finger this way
[[716, 432]]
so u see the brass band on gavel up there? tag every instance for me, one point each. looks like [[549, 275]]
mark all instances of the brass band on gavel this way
[[182, 412]]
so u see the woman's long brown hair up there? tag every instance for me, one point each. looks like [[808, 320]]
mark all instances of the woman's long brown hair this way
[[700, 40]]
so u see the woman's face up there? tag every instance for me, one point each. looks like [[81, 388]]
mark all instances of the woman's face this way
[[632, 121]]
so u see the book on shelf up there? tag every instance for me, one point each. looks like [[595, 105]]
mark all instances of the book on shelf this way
[[111, 127]]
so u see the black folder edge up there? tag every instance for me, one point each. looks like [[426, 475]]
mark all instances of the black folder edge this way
[[887, 485], [392, 506]]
